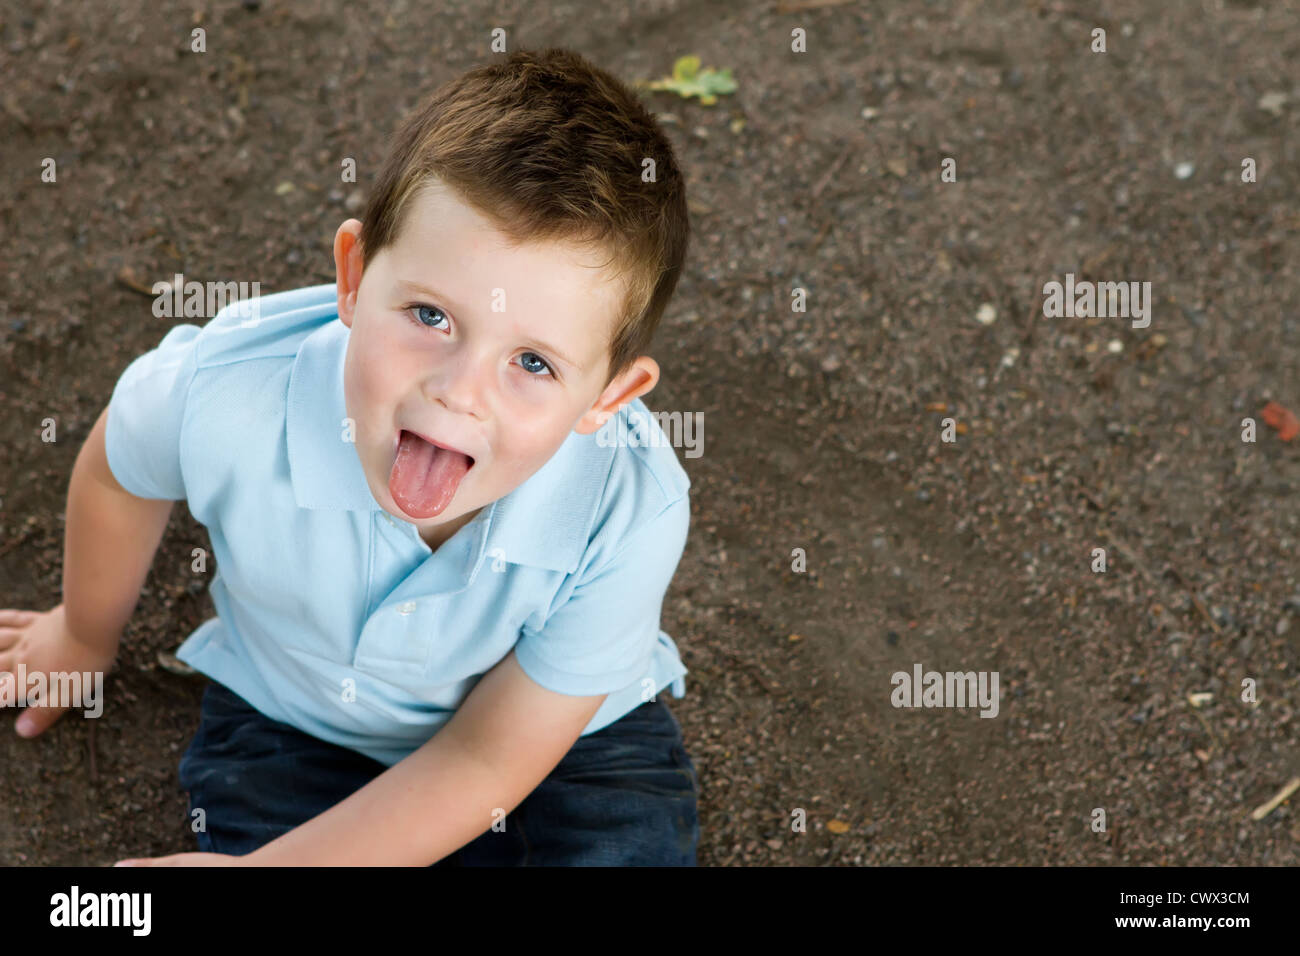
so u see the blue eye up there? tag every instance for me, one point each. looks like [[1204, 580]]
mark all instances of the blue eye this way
[[420, 310], [534, 369]]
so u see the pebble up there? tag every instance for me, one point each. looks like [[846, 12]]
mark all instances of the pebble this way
[[1272, 102], [1184, 170], [986, 315]]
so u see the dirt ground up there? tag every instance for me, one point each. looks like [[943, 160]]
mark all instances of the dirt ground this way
[[823, 428]]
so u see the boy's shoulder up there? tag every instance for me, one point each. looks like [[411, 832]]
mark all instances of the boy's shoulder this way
[[596, 494], [269, 326]]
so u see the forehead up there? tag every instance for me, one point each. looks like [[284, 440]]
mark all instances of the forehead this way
[[441, 231]]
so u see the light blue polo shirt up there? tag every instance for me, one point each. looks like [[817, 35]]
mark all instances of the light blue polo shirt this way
[[338, 619]]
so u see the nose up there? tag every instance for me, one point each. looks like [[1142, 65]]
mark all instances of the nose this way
[[457, 384]]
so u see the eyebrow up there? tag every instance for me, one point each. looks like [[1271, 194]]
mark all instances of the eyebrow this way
[[531, 343]]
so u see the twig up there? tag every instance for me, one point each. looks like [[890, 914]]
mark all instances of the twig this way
[[27, 533], [1264, 810], [1139, 562], [817, 240], [834, 168], [1196, 601], [1206, 724]]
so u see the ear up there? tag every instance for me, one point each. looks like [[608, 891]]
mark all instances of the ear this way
[[347, 265], [641, 376]]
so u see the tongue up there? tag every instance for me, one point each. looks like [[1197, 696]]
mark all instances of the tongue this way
[[425, 477]]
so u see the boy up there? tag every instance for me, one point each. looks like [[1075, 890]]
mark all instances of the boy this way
[[440, 560]]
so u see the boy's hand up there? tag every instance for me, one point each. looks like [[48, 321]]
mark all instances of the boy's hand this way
[[42, 642]]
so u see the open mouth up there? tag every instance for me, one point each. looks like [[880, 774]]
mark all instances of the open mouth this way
[[425, 474]]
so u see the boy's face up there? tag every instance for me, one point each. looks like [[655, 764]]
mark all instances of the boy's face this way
[[501, 354]]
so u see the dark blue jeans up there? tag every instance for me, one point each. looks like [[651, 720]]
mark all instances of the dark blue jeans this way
[[623, 796]]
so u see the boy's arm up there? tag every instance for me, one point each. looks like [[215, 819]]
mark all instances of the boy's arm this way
[[505, 738], [110, 539]]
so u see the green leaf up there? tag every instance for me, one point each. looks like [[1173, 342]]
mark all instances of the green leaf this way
[[689, 80]]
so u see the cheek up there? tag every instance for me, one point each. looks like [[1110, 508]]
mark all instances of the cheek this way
[[533, 439], [374, 374]]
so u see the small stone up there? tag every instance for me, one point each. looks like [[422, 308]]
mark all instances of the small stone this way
[[1114, 346], [1184, 170], [355, 201], [870, 113], [986, 315], [1283, 625], [1272, 102]]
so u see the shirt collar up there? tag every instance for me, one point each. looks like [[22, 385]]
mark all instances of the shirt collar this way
[[545, 522]]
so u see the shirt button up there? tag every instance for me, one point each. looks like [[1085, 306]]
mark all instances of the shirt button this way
[[406, 607]]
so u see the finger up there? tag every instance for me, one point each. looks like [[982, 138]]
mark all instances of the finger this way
[[34, 721], [13, 617], [9, 637]]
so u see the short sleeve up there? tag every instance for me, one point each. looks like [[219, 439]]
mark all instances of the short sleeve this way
[[603, 637], [143, 434]]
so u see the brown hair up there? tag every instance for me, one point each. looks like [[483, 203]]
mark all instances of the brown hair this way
[[546, 146]]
